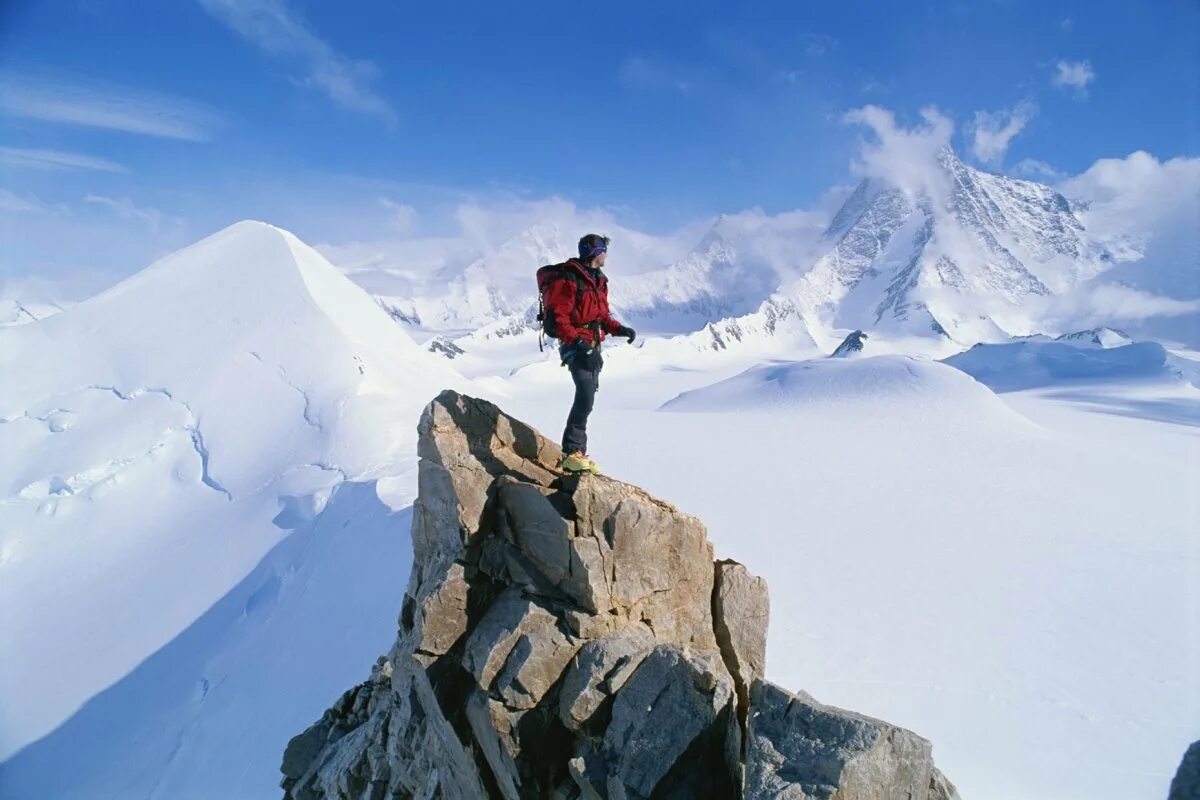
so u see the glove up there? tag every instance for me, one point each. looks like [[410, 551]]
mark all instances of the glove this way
[[587, 356], [627, 332]]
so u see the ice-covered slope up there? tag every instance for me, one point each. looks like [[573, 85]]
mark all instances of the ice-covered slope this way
[[158, 439]]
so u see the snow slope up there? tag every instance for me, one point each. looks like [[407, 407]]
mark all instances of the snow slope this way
[[203, 517], [1034, 363], [161, 437], [1019, 585], [849, 383]]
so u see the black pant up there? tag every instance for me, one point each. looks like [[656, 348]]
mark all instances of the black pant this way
[[587, 381]]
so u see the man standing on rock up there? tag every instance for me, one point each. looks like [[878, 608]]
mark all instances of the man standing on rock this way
[[578, 303]]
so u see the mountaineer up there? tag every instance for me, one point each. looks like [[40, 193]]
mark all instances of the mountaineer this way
[[574, 299]]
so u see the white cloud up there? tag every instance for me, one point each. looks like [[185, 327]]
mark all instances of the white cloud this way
[[904, 157], [1101, 303], [11, 201], [1134, 193], [401, 216], [992, 131], [642, 73], [1074, 75], [125, 208], [281, 32], [1032, 169], [54, 160], [1149, 208], [817, 44], [77, 101]]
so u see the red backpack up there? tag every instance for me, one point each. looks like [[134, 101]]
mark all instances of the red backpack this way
[[547, 276]]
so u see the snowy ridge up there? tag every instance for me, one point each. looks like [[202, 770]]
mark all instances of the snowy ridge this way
[[171, 430]]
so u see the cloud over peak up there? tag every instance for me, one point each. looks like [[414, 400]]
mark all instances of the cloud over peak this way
[[993, 131], [903, 157]]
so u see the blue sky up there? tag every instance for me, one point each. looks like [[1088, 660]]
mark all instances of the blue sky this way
[[174, 119]]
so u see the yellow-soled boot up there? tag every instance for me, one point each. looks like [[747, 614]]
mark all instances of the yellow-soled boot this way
[[578, 462]]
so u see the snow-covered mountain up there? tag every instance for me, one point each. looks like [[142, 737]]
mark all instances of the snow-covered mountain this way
[[961, 255], [957, 257], [159, 438], [738, 263], [206, 472], [456, 286]]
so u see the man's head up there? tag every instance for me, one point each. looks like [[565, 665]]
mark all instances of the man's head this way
[[593, 249]]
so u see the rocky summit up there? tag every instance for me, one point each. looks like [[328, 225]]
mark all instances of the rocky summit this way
[[573, 638]]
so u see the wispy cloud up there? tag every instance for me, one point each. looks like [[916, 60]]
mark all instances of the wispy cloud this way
[[55, 160], [126, 209], [1074, 75], [1036, 170], [11, 201], [817, 44], [79, 101], [281, 32], [993, 130], [401, 216], [642, 73]]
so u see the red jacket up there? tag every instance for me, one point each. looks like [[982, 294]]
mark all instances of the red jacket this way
[[571, 322]]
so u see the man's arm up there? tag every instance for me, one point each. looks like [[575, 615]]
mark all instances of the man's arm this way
[[610, 324]]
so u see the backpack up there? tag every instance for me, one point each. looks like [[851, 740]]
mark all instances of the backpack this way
[[547, 276]]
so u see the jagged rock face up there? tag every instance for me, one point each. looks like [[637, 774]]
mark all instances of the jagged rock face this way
[[571, 637], [799, 748]]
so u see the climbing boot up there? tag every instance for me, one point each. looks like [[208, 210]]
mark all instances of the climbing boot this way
[[578, 462]]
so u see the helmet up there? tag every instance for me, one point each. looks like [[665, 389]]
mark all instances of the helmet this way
[[593, 245]]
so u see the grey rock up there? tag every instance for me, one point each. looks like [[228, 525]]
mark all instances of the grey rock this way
[[673, 698], [571, 637], [517, 650], [599, 670], [646, 561], [1186, 784], [800, 749], [492, 725], [741, 610], [441, 615], [940, 787], [537, 528]]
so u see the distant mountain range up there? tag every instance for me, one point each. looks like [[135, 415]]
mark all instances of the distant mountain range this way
[[964, 257]]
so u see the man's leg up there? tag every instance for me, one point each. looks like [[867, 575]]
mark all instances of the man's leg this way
[[575, 434]]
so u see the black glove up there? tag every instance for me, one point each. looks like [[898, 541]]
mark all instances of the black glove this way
[[587, 356], [627, 332]]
